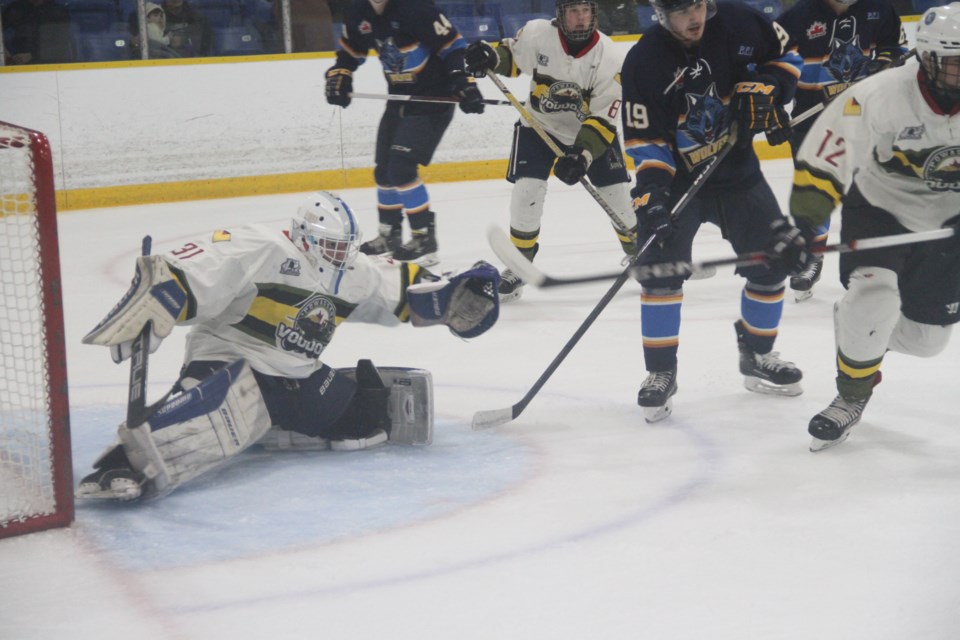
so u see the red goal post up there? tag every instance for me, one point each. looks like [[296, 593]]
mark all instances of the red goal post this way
[[36, 474]]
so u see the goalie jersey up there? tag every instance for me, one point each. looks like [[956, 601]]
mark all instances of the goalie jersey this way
[[574, 98], [253, 294], [888, 138]]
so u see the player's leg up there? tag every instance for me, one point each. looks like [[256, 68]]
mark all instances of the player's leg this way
[[529, 167], [609, 176], [802, 283], [192, 433], [419, 132], [746, 218], [660, 304], [389, 208]]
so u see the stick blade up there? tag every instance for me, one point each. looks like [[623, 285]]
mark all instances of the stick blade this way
[[492, 418], [511, 256]]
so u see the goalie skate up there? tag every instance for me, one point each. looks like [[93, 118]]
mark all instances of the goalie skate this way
[[656, 395], [832, 426], [765, 372], [113, 479]]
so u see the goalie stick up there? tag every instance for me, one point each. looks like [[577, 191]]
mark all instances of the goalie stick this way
[[496, 417], [393, 97], [510, 255]]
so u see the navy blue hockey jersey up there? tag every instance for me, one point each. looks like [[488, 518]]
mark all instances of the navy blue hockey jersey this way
[[836, 49], [418, 46], [676, 112]]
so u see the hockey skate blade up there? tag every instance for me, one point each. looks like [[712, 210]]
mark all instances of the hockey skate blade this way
[[656, 414], [802, 296], [760, 386], [816, 444], [502, 246], [492, 418]]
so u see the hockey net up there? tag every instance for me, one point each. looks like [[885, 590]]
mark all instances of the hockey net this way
[[36, 483]]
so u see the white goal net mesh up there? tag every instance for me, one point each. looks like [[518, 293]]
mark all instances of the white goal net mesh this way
[[27, 393]]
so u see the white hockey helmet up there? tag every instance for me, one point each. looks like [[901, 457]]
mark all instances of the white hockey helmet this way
[[577, 32], [938, 48], [327, 231]]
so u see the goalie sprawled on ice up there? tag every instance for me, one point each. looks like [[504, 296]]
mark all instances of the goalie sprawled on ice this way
[[262, 305]]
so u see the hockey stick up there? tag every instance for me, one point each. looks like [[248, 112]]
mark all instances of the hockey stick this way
[[817, 108], [496, 417], [555, 148], [514, 259], [393, 97], [137, 396]]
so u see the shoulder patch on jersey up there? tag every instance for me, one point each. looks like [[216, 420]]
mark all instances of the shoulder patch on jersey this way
[[852, 108], [221, 236], [290, 267], [816, 30]]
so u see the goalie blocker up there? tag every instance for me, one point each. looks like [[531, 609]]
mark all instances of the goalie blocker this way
[[234, 407]]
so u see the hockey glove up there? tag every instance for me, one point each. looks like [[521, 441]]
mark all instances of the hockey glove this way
[[573, 166], [882, 61], [339, 86], [756, 110], [651, 204], [788, 247], [479, 58], [155, 296], [467, 303]]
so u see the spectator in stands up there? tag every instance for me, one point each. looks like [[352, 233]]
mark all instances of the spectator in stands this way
[[38, 32], [617, 17], [311, 24], [190, 33]]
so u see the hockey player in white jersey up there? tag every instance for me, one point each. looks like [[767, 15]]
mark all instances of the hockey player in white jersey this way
[[575, 97], [263, 304], [888, 151]]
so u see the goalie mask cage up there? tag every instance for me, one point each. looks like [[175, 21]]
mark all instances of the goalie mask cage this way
[[36, 475]]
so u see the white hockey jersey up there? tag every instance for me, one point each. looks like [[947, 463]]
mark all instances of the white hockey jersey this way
[[254, 295], [571, 97], [890, 140]]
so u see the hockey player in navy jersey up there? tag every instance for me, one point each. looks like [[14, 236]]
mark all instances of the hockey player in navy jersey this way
[[575, 98], [702, 68], [422, 54], [841, 42], [888, 151]]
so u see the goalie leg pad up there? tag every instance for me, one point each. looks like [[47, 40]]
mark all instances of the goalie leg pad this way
[[155, 296], [198, 430], [409, 405]]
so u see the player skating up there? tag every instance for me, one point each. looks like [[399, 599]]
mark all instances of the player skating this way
[[888, 151], [841, 42], [575, 98], [263, 304], [422, 54], [704, 67]]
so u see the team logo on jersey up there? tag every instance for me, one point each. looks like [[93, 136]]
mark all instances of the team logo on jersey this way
[[846, 59], [912, 133], [705, 115], [364, 28], [290, 267], [816, 30], [852, 108], [941, 171], [562, 96], [221, 236], [542, 60], [310, 331], [390, 56]]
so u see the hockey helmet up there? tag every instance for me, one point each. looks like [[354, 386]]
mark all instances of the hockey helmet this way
[[664, 8], [327, 231], [577, 32], [938, 48]]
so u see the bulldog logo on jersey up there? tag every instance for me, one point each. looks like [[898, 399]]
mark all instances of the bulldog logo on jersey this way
[[311, 329], [941, 171]]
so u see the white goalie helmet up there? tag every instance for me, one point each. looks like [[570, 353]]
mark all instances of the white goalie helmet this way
[[327, 231], [938, 48]]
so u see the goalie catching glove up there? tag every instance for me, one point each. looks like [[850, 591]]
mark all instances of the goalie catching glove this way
[[155, 297], [467, 302]]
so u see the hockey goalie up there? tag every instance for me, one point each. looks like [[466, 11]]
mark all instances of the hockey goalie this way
[[262, 305]]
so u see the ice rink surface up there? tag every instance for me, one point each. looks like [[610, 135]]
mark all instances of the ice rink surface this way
[[577, 520]]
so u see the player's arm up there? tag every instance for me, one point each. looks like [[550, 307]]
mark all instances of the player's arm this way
[[351, 53], [833, 148], [435, 31], [891, 43]]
